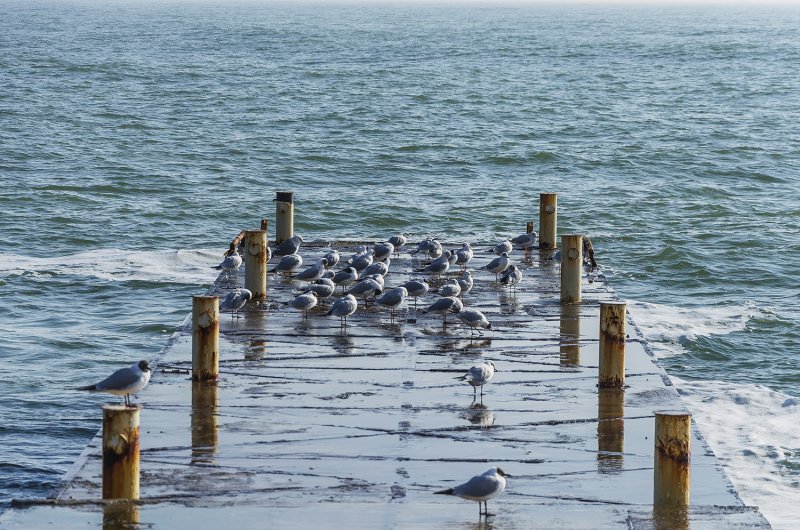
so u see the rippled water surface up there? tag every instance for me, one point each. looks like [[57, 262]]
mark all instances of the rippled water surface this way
[[137, 139]]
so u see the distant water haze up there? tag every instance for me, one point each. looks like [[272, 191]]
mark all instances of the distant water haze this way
[[137, 139]]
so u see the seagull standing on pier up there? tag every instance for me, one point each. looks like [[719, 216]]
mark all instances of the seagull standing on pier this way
[[511, 276], [346, 277], [474, 319], [524, 241], [343, 308], [498, 264], [480, 488], [124, 382], [230, 263], [323, 288], [382, 251], [290, 246], [304, 302], [398, 242], [416, 288], [466, 283], [463, 256], [314, 272], [392, 299], [288, 264], [450, 288], [235, 300], [332, 259], [505, 246], [444, 305]]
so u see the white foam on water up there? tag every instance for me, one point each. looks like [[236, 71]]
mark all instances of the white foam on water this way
[[668, 327], [116, 265], [754, 432]]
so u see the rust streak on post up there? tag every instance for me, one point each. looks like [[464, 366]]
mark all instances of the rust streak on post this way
[[672, 459], [255, 255], [120, 452], [571, 268], [205, 338], [612, 345], [548, 219]]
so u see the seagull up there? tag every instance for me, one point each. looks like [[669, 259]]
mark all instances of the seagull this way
[[343, 308], [360, 250], [363, 261], [290, 246], [124, 382], [463, 255], [474, 319], [434, 249], [314, 272], [451, 288], [588, 253], [345, 277], [382, 251], [398, 242], [422, 247], [444, 305], [498, 264], [511, 276], [377, 277], [524, 241], [377, 267], [366, 288], [480, 488], [478, 376], [416, 288], [392, 299], [505, 246], [438, 266], [304, 302], [235, 300], [230, 263], [465, 282], [323, 288], [332, 258], [288, 264]]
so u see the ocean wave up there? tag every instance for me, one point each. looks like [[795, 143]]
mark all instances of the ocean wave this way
[[119, 265], [753, 432]]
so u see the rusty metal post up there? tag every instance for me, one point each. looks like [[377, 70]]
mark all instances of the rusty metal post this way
[[284, 216], [571, 267], [672, 454], [205, 437], [529, 227], [205, 338], [548, 219], [570, 334], [610, 429], [255, 265], [612, 345], [120, 452], [264, 224]]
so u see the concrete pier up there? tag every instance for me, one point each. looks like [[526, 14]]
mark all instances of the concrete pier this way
[[312, 426]]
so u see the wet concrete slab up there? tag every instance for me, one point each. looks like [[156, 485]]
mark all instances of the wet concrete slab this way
[[310, 424]]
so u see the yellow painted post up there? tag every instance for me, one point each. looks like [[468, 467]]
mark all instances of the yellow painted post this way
[[284, 216], [610, 429], [612, 345], [120, 452], [205, 338], [571, 261], [548, 219], [570, 334], [255, 266], [673, 434]]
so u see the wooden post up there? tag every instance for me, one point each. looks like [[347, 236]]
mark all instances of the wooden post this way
[[205, 431], [571, 267], [255, 266], [610, 429], [548, 219], [612, 345], [672, 454], [205, 338], [120, 452], [284, 216], [570, 334]]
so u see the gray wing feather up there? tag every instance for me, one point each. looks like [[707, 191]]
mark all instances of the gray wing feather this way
[[119, 380], [479, 486]]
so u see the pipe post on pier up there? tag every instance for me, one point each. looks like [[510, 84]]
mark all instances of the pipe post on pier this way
[[671, 461], [612, 345], [571, 267], [548, 219], [529, 227], [284, 216], [205, 338], [255, 266], [120, 452]]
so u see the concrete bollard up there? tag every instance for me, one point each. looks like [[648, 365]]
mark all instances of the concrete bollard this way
[[205, 431], [672, 459], [548, 219], [120, 452], [205, 338], [612, 345], [284, 216], [610, 430], [570, 334], [571, 268], [255, 266]]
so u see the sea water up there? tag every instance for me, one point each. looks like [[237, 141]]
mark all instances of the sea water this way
[[137, 138]]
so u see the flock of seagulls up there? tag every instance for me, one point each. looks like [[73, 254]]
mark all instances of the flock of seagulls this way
[[363, 276]]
